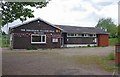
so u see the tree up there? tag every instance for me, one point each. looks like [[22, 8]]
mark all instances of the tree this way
[[17, 10], [119, 34], [108, 24]]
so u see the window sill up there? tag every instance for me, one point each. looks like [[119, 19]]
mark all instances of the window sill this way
[[38, 43]]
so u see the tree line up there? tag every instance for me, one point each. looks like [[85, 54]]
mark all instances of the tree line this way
[[108, 25]]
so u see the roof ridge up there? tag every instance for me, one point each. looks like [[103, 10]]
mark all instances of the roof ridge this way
[[74, 26], [34, 19]]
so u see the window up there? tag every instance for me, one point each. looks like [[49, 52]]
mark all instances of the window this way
[[91, 35], [79, 35], [94, 35], [55, 40], [85, 35], [68, 34], [36, 38], [95, 40], [71, 35], [57, 30], [75, 34], [82, 35]]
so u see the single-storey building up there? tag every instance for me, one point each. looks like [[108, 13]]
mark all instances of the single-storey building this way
[[41, 34]]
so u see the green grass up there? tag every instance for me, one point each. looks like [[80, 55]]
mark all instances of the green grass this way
[[110, 56], [103, 62], [113, 41]]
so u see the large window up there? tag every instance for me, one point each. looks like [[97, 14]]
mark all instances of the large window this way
[[36, 38]]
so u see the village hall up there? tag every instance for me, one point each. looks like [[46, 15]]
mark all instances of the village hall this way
[[39, 33]]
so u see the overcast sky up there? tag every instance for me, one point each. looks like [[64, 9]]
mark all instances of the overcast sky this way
[[85, 13], [78, 12]]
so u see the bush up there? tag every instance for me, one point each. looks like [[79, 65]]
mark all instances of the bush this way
[[3, 41], [113, 41]]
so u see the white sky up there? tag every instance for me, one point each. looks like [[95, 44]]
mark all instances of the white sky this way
[[85, 13], [78, 12]]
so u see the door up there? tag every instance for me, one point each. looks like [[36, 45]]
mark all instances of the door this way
[[62, 42]]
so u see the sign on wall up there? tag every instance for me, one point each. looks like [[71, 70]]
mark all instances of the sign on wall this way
[[33, 30]]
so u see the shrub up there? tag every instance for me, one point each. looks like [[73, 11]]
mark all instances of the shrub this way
[[113, 41], [3, 41]]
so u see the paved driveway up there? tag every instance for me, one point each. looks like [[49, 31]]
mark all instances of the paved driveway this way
[[51, 61]]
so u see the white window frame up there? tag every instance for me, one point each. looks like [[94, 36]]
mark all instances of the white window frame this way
[[80, 35], [94, 35], [74, 35], [90, 35], [41, 39], [86, 35], [95, 40]]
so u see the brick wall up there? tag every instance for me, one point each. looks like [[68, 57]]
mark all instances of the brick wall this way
[[102, 40]]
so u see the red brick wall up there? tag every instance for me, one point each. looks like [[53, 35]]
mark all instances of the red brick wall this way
[[102, 40]]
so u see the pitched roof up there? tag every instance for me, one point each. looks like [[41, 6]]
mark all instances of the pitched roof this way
[[75, 29], [26, 22], [68, 29]]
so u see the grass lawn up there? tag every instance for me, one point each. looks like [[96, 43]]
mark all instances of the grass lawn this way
[[104, 62], [112, 41]]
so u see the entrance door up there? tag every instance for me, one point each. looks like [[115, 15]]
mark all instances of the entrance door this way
[[62, 42]]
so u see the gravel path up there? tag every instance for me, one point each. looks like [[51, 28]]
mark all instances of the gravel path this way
[[51, 61]]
